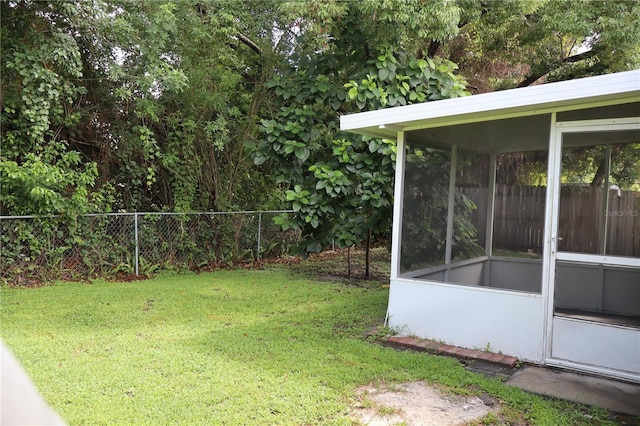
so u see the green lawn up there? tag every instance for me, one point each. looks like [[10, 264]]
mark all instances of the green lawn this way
[[227, 347]]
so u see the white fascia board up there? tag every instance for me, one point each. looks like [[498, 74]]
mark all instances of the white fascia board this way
[[523, 101]]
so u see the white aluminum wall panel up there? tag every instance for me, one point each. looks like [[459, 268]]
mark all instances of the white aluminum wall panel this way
[[600, 345], [469, 317]]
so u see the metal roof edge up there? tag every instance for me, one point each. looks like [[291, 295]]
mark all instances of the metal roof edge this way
[[521, 99]]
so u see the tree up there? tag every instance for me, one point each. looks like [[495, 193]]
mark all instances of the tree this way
[[41, 72], [340, 186], [68, 90], [112, 104], [138, 105], [506, 44], [181, 104], [198, 134], [588, 165]]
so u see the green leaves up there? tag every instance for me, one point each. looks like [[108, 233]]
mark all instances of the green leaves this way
[[48, 182], [353, 90], [341, 185], [322, 171], [516, 43], [40, 173], [386, 65], [333, 182], [390, 84]]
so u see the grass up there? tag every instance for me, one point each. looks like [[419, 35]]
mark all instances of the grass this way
[[228, 347]]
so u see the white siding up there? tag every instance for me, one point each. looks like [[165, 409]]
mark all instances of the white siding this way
[[469, 317]]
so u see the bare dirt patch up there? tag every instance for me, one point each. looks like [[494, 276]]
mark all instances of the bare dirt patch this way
[[417, 404]]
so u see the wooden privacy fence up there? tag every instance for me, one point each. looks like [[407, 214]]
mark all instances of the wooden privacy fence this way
[[519, 219]]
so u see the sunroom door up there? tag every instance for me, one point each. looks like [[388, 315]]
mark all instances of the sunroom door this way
[[595, 249]]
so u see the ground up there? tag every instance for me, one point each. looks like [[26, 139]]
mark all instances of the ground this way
[[416, 404]]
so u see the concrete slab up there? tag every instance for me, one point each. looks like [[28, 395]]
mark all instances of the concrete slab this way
[[614, 395]]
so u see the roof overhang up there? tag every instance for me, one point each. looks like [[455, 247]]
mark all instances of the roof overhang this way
[[590, 92]]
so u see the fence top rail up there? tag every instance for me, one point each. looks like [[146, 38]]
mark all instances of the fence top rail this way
[[150, 214]]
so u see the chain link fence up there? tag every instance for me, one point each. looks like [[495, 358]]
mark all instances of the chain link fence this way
[[36, 249]]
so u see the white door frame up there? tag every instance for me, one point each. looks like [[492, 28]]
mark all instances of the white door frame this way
[[551, 254]]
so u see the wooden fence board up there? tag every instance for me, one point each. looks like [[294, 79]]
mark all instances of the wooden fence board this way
[[519, 219]]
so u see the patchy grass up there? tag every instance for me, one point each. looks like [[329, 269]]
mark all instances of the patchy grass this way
[[228, 347], [333, 265]]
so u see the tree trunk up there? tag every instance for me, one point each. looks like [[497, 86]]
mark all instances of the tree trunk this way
[[599, 177], [349, 261]]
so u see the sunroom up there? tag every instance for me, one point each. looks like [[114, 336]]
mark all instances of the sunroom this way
[[517, 222]]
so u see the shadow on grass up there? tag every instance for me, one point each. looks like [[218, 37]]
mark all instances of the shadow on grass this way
[[309, 359], [333, 265]]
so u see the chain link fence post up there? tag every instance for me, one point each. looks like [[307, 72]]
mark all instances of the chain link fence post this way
[[259, 233], [135, 233]]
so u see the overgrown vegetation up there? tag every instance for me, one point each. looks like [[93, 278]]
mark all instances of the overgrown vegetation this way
[[340, 186], [45, 249], [230, 347], [113, 105]]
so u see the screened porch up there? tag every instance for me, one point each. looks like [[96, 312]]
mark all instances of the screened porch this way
[[517, 222]]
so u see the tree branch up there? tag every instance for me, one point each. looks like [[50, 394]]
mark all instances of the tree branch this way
[[243, 38], [568, 60], [250, 43]]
